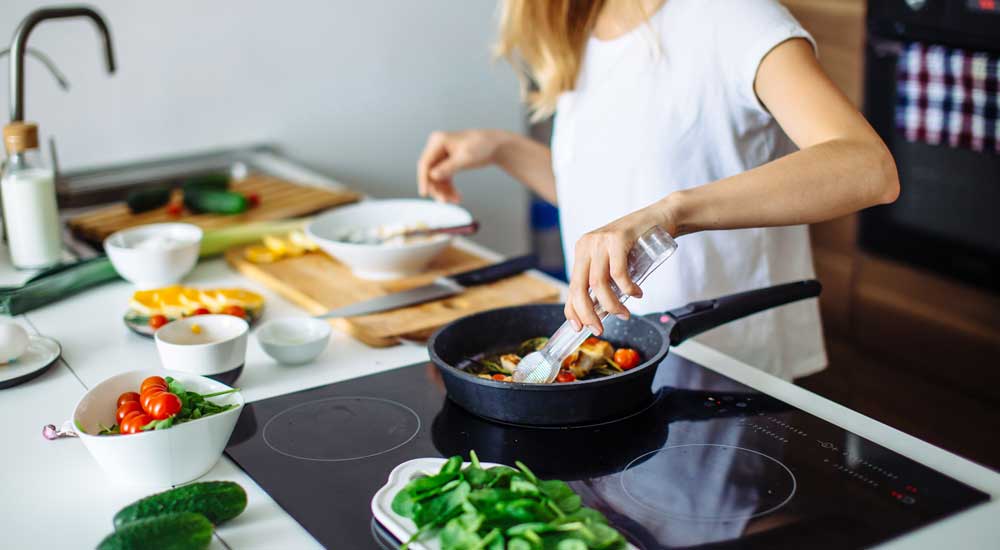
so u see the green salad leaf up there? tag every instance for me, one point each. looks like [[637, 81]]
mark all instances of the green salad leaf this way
[[501, 508]]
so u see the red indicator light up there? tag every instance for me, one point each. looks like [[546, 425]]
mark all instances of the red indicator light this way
[[911, 489], [988, 4]]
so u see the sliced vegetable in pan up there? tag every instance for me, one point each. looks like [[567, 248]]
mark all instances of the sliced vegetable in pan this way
[[595, 358]]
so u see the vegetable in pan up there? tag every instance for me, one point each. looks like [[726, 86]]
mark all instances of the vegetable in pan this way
[[501, 508], [595, 358]]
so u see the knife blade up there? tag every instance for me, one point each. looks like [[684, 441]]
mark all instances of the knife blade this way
[[442, 287]]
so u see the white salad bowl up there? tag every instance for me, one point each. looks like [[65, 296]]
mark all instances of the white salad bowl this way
[[156, 458], [294, 340], [386, 260], [207, 345], [154, 255]]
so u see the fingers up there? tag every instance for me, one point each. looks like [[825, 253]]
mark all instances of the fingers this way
[[618, 260], [434, 151], [600, 284], [583, 305], [577, 285]]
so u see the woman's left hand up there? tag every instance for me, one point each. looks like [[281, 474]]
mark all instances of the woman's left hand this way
[[601, 256]]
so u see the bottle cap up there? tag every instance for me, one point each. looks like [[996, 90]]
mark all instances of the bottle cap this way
[[20, 136]]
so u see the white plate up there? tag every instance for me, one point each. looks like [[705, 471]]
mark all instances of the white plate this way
[[403, 528], [42, 352]]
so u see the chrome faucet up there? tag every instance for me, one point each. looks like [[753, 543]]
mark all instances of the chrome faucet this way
[[19, 46]]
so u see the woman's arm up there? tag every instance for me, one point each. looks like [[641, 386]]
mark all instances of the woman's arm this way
[[447, 153], [842, 166]]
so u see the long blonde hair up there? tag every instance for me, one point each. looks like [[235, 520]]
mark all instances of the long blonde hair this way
[[544, 40]]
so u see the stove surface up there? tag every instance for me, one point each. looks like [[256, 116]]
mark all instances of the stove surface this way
[[710, 464]]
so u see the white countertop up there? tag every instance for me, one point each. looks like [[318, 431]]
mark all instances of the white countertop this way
[[55, 496]]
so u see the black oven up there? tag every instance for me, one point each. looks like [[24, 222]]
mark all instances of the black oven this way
[[947, 217]]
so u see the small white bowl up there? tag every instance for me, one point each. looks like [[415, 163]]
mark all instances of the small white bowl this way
[[157, 458], [295, 340], [148, 266], [218, 350], [386, 261]]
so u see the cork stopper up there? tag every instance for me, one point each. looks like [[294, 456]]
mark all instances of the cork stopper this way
[[20, 136]]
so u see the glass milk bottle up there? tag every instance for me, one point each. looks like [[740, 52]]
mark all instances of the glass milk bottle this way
[[29, 201]]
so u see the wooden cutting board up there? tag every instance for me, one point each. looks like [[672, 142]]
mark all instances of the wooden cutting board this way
[[319, 283], [279, 199]]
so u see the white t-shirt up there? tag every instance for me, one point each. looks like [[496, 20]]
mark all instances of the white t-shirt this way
[[671, 105]]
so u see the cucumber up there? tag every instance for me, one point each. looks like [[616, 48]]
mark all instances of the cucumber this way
[[216, 202], [208, 182], [142, 200], [177, 531], [218, 501]]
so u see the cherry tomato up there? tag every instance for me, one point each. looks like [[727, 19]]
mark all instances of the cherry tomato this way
[[133, 423], [148, 397], [126, 397], [626, 358], [127, 407], [253, 199], [157, 321], [235, 311], [175, 209], [164, 405], [592, 341], [201, 311], [499, 377], [565, 376], [156, 381]]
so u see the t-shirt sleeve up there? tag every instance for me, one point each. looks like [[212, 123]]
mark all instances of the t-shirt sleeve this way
[[746, 31]]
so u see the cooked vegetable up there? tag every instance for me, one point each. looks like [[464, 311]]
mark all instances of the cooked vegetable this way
[[594, 358], [174, 531], [219, 501], [501, 508], [215, 202], [142, 200]]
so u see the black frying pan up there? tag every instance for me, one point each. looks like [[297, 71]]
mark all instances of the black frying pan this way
[[583, 401]]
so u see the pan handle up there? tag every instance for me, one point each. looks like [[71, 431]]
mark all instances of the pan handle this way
[[697, 317]]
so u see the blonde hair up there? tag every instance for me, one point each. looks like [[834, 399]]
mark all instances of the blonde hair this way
[[544, 40]]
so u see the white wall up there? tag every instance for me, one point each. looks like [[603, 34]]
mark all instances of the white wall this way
[[350, 88]]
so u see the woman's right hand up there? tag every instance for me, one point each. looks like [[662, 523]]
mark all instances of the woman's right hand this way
[[446, 153]]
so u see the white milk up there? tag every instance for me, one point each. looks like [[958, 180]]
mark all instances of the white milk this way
[[31, 217]]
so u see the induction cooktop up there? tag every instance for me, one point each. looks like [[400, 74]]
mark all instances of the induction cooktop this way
[[711, 464]]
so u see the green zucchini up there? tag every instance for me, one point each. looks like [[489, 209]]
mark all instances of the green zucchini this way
[[218, 501], [142, 200], [208, 182], [177, 531], [216, 202]]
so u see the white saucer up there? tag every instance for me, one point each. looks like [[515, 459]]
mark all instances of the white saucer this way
[[42, 352]]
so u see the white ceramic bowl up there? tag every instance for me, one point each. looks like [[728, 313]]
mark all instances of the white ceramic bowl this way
[[294, 340], [157, 458], [386, 261], [217, 350], [154, 267]]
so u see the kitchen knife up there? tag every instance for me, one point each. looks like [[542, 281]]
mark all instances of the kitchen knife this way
[[442, 287]]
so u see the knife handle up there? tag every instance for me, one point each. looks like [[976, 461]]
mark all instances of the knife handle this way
[[495, 272]]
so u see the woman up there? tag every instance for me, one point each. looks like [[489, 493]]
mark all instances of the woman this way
[[686, 114]]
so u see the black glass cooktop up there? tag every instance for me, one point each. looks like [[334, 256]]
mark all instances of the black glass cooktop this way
[[711, 464]]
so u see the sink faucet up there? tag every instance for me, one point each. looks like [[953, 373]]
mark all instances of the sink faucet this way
[[19, 46]]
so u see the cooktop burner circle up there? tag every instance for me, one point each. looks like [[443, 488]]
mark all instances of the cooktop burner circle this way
[[338, 429], [708, 482]]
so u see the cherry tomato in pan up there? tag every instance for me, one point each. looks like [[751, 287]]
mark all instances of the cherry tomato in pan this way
[[565, 376], [126, 397], [591, 341], [133, 423], [152, 381], [236, 311], [127, 407], [499, 377], [157, 321], [626, 358], [163, 405]]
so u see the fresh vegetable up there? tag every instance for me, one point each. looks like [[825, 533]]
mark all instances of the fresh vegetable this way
[[157, 321], [175, 209], [216, 202], [626, 358], [173, 531], [207, 182], [218, 241], [164, 402], [127, 407], [501, 508], [126, 397], [219, 501], [595, 358], [142, 200], [235, 311], [253, 199], [201, 311]]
